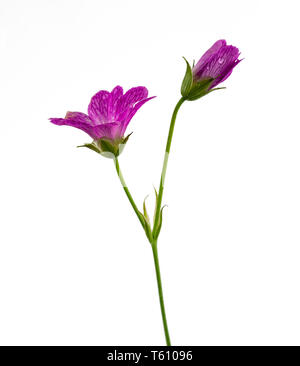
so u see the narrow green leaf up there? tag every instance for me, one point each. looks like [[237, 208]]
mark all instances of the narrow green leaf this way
[[157, 231], [141, 216], [146, 220], [145, 211], [156, 196], [148, 232]]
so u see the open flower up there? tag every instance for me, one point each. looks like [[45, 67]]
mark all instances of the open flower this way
[[109, 114], [213, 68]]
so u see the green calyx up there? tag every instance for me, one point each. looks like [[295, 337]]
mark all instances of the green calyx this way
[[187, 81], [107, 147], [199, 89], [192, 89]]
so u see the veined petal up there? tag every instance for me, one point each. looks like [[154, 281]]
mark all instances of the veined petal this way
[[114, 99], [109, 130], [131, 97], [225, 73], [212, 50], [77, 122], [79, 117], [98, 107], [219, 63], [131, 112]]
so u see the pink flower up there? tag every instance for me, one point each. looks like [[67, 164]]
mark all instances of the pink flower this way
[[108, 115], [213, 68], [217, 63]]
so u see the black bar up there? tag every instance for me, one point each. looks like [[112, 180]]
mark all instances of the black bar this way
[[142, 355]]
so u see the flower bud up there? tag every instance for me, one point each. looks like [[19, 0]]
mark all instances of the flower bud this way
[[214, 67]]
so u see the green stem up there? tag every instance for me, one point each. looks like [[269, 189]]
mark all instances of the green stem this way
[[156, 219], [165, 163], [134, 206], [160, 293], [157, 215], [154, 250]]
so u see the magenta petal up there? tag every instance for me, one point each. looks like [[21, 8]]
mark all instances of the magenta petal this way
[[98, 107], [131, 97], [79, 117], [108, 130], [225, 74], [73, 123], [212, 50], [73, 116], [116, 93], [113, 102], [221, 63], [132, 112], [58, 121]]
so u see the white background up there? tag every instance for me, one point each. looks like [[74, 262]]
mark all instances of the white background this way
[[75, 266]]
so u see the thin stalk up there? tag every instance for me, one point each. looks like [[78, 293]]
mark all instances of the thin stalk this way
[[165, 163], [160, 293], [134, 206], [156, 220]]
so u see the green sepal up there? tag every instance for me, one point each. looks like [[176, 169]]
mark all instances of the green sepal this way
[[211, 90], [125, 139], [187, 80], [199, 89], [108, 146], [91, 147], [111, 148], [123, 143]]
